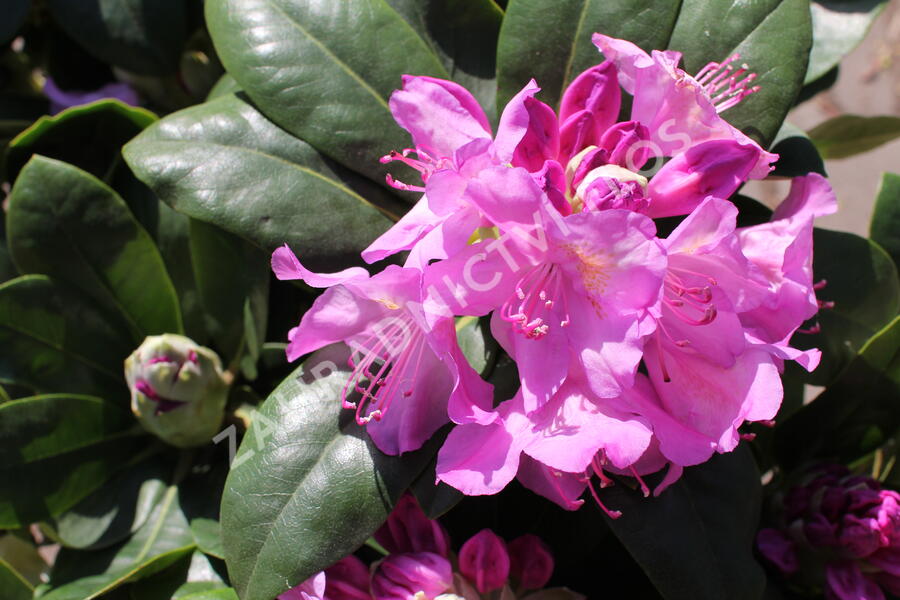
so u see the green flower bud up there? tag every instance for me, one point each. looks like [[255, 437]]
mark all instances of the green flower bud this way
[[178, 389]]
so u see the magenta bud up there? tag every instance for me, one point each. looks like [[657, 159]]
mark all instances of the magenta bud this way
[[596, 91], [311, 589], [530, 561], [627, 144], [778, 549], [484, 560], [407, 529], [411, 575], [347, 579], [714, 168], [541, 139]]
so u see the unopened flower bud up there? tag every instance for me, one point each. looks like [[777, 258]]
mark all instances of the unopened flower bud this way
[[484, 561], [347, 579], [530, 562], [412, 576], [178, 389], [408, 529]]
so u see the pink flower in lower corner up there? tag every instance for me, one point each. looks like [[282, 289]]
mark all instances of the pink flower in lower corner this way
[[311, 589], [408, 375]]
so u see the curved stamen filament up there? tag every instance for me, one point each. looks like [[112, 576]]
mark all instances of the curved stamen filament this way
[[378, 364], [684, 300], [425, 164], [725, 86]]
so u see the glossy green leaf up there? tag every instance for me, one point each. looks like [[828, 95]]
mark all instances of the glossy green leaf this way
[[7, 268], [173, 238], [797, 155], [224, 163], [162, 541], [306, 471], [855, 414], [554, 45], [201, 496], [885, 228], [862, 282], [55, 340], [838, 26], [336, 96], [65, 223], [23, 556], [695, 541], [190, 575], [143, 36], [12, 585], [463, 35], [231, 274], [55, 450], [88, 136], [223, 594], [773, 37], [14, 13], [225, 86], [115, 511], [847, 135]]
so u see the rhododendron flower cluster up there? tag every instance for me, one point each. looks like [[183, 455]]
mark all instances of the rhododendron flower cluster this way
[[636, 352], [844, 524], [421, 566]]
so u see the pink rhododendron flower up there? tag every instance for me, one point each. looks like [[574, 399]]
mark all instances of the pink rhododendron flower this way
[[845, 523], [311, 589], [401, 364], [530, 561], [408, 529], [347, 579]]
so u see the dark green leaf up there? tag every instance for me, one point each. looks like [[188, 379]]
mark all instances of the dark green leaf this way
[[114, 511], [847, 135], [55, 340], [885, 228], [773, 37], [222, 162], [143, 36], [554, 45], [336, 96], [65, 223], [476, 343], [163, 540], [797, 155], [855, 415], [190, 575], [838, 26], [463, 35], [230, 274], [173, 239], [695, 541], [225, 594], [862, 282], [23, 556], [14, 13], [12, 585], [57, 449], [89, 136], [225, 86], [306, 471]]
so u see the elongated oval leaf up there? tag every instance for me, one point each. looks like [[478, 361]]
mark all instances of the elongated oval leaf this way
[[224, 163], [847, 135], [695, 541], [114, 511], [164, 539], [862, 282], [885, 229], [55, 340], [773, 37], [12, 585], [55, 450], [553, 45], [838, 26], [463, 35], [65, 223], [307, 486], [143, 36], [855, 415], [323, 70]]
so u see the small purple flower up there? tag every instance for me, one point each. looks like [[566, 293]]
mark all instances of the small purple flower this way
[[61, 99]]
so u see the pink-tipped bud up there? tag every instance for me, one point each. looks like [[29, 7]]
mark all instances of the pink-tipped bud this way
[[411, 576], [596, 91], [627, 145], [407, 529], [541, 140], [484, 561], [530, 562]]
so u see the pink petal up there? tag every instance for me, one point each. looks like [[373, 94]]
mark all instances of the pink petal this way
[[541, 140], [514, 123], [286, 266], [404, 234], [562, 488]]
